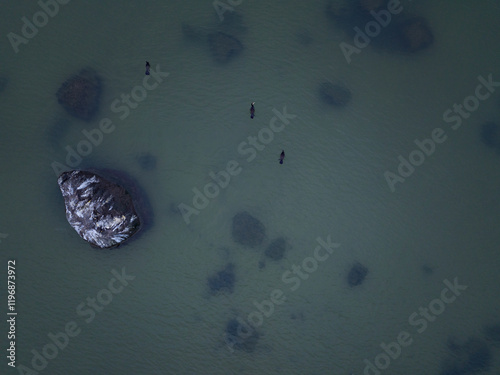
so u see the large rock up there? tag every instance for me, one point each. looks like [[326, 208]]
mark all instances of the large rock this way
[[247, 230], [224, 46], [233, 24], [101, 211], [405, 34], [80, 94]]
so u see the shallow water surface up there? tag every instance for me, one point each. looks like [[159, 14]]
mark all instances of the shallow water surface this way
[[437, 228]]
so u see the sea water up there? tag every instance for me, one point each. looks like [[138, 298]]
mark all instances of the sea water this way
[[438, 226]]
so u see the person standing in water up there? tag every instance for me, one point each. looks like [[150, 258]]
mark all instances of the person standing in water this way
[[252, 110], [282, 156], [147, 68]]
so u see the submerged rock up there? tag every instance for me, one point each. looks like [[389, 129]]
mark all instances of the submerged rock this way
[[222, 281], [404, 33], [80, 94], [57, 132], [492, 334], [241, 336], [224, 46], [427, 269], [297, 316], [247, 230], [335, 94], [100, 211], [304, 38], [357, 274], [196, 33], [470, 357], [342, 14], [369, 5], [3, 83], [490, 134], [276, 249], [138, 194], [415, 34], [146, 161], [223, 37]]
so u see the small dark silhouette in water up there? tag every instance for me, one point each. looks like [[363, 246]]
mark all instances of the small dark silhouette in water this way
[[357, 274], [147, 67], [282, 156], [252, 110]]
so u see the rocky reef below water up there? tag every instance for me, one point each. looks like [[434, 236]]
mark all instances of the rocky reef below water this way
[[80, 94], [222, 281], [3, 83], [335, 94], [240, 336], [381, 23]]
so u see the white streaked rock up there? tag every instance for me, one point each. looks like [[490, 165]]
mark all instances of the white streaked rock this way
[[100, 211]]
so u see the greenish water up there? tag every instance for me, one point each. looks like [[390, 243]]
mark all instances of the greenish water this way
[[443, 218]]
